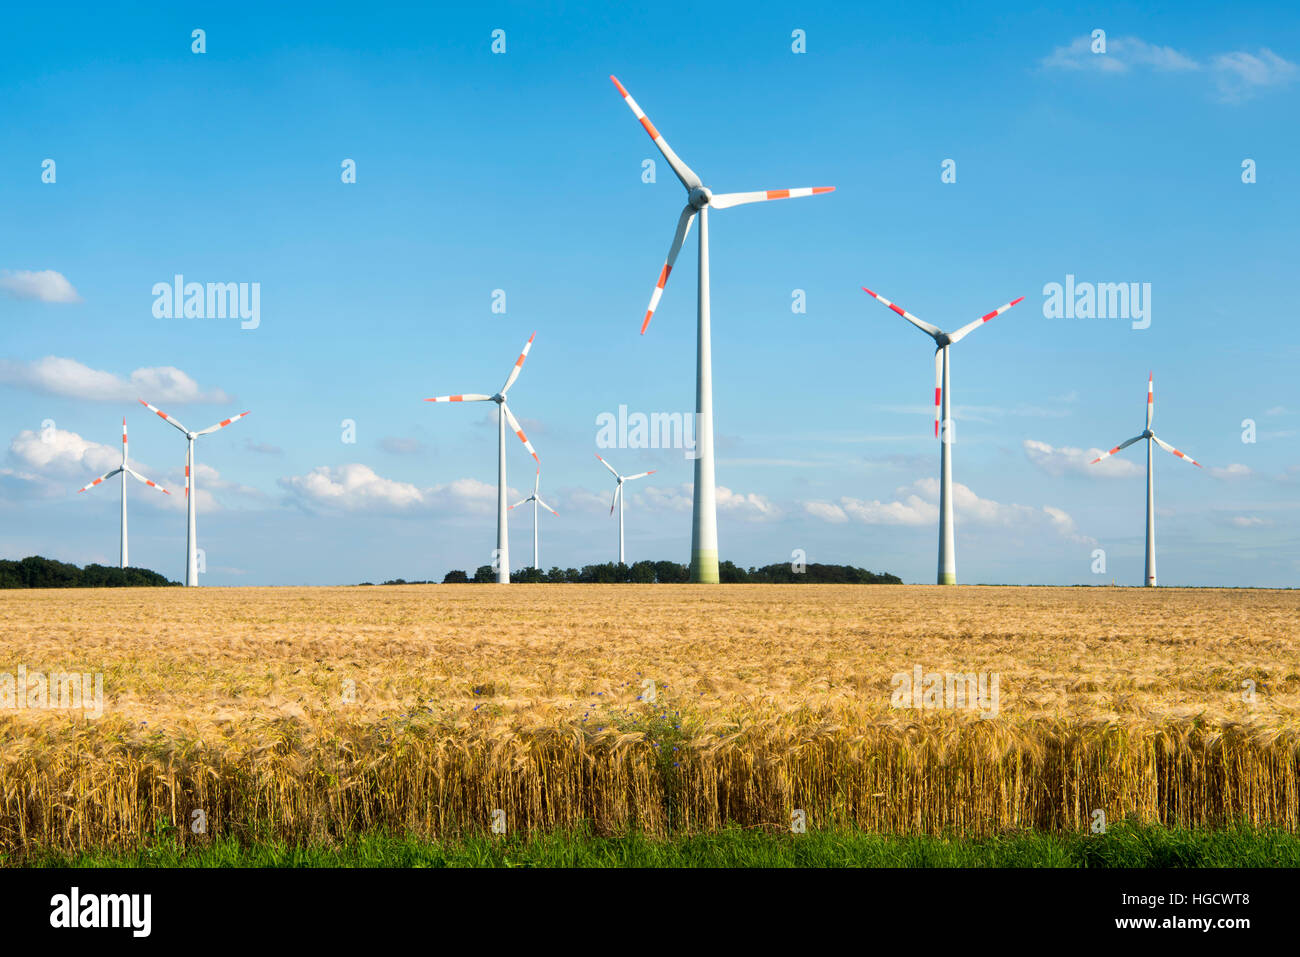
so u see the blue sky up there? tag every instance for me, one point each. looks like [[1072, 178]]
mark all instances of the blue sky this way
[[522, 172]]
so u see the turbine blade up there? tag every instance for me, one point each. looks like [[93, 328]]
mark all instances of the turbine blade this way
[[727, 200], [222, 424], [1169, 448], [106, 475], [514, 425], [929, 330], [164, 416], [521, 502], [684, 172], [1151, 396], [547, 507], [628, 478], [519, 365], [970, 327], [152, 484], [683, 227], [938, 387], [608, 466], [467, 397], [618, 489], [1122, 445], [124, 441]]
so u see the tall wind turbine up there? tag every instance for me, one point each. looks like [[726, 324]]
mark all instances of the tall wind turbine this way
[[536, 499], [618, 500], [1151, 487], [191, 536], [503, 415], [125, 470], [942, 362], [704, 523]]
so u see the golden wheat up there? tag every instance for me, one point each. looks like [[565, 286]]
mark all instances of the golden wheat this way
[[314, 714]]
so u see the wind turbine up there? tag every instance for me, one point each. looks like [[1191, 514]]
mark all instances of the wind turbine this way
[[942, 363], [704, 522], [1151, 487], [503, 415], [618, 500], [536, 500], [191, 536], [125, 470]]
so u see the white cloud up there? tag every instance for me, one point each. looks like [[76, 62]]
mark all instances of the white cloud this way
[[826, 511], [352, 487], [1239, 75], [43, 285], [749, 506], [208, 480], [1065, 459], [917, 505], [1235, 470], [355, 487], [1250, 521], [58, 375], [58, 452], [1122, 54], [911, 511], [675, 498]]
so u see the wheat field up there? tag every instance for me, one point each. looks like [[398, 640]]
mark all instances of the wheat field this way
[[309, 714]]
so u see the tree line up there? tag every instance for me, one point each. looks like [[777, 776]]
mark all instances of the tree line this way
[[672, 572], [37, 572]]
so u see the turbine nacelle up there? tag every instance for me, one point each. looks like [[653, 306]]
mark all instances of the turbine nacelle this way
[[699, 197]]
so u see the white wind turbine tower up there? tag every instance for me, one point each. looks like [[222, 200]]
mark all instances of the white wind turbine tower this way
[[704, 523], [618, 500], [1151, 488], [536, 499], [503, 415], [125, 470], [942, 407], [191, 493]]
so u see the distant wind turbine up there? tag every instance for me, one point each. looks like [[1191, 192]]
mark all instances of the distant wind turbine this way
[[125, 470], [536, 499], [942, 407], [1151, 487], [704, 522], [503, 415], [618, 499], [191, 535]]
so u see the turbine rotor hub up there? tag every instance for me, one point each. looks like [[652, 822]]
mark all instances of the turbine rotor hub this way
[[699, 197]]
